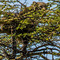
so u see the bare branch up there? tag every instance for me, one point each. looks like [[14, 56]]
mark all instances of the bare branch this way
[[38, 54], [21, 3], [44, 45], [45, 49]]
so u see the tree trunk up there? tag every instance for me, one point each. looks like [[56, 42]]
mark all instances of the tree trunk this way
[[13, 30]]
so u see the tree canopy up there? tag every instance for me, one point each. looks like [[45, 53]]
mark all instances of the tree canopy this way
[[30, 33]]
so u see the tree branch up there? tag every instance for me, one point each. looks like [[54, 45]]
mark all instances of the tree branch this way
[[38, 54], [44, 45], [21, 4], [44, 49]]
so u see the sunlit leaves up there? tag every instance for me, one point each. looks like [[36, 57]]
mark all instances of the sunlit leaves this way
[[36, 25], [1, 57]]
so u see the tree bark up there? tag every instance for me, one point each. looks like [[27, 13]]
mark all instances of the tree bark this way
[[13, 30]]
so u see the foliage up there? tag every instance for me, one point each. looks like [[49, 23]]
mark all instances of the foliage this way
[[28, 29]]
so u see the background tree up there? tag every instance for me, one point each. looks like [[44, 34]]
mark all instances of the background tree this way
[[34, 27]]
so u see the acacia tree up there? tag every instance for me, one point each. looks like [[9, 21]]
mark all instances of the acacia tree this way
[[28, 29]]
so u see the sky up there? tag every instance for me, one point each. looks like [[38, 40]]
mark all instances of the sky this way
[[30, 1]]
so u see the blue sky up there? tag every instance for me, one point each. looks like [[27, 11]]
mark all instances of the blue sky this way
[[30, 1]]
